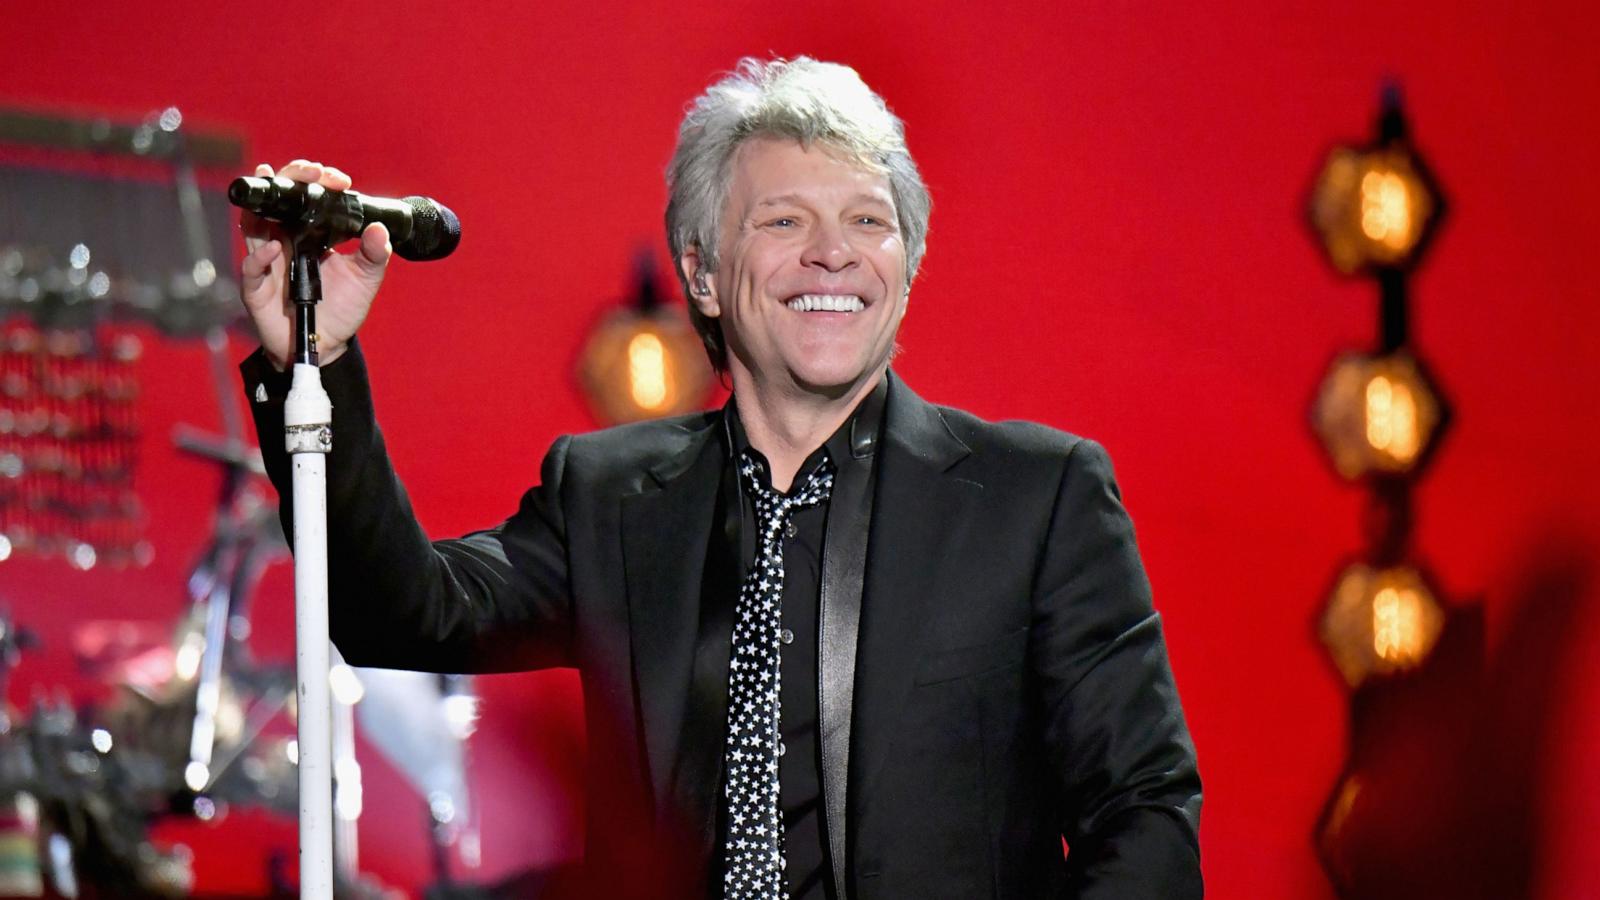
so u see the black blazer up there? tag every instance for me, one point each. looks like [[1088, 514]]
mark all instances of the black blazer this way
[[1012, 687]]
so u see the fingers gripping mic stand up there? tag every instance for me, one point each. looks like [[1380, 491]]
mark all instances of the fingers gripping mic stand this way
[[308, 436]]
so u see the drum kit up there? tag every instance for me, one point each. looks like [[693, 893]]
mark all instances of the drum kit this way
[[196, 725]]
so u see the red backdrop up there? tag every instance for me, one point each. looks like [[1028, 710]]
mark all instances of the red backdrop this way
[[1116, 249]]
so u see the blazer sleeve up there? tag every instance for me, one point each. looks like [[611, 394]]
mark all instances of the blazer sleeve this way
[[1113, 726], [492, 601]]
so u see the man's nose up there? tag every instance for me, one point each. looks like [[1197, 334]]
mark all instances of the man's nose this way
[[830, 248]]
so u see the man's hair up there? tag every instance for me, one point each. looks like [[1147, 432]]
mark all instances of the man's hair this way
[[803, 99]]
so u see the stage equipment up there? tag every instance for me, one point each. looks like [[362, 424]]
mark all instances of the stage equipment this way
[[1379, 416], [1375, 207], [75, 805], [68, 446], [644, 361], [420, 229], [86, 253], [314, 221], [1380, 621], [195, 726], [203, 720], [308, 436], [420, 722]]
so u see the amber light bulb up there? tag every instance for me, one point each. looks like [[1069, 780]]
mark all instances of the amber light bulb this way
[[1380, 621]]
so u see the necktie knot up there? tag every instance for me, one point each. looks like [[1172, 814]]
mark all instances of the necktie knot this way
[[773, 508]]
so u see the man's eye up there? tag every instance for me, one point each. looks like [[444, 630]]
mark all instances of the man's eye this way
[[872, 221], [783, 222]]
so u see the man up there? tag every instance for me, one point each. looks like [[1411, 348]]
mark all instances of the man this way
[[834, 641]]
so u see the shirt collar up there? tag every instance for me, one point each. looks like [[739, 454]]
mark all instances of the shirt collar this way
[[852, 443]]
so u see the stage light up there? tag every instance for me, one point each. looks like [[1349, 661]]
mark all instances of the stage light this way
[[1380, 621], [643, 365], [1374, 210], [1371, 208], [1376, 414], [644, 361], [1374, 207]]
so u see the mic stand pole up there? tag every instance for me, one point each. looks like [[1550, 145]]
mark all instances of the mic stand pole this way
[[308, 436]]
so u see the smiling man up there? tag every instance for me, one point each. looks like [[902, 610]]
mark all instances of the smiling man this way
[[835, 641], [810, 285]]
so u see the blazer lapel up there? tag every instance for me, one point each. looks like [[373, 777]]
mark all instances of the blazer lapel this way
[[665, 529], [920, 511]]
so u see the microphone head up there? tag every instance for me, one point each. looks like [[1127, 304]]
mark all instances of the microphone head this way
[[435, 231]]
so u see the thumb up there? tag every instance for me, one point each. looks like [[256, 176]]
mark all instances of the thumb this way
[[373, 256]]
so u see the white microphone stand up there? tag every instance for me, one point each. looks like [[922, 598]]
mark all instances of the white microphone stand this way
[[308, 436]]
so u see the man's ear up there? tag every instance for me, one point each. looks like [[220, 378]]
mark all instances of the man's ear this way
[[702, 287]]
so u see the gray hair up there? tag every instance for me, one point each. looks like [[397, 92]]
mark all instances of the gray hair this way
[[803, 99]]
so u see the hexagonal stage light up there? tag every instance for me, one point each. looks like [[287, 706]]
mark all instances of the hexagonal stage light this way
[[644, 361], [1375, 207], [1377, 414], [1380, 621], [643, 364]]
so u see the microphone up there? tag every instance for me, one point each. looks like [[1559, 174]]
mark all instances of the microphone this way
[[420, 229]]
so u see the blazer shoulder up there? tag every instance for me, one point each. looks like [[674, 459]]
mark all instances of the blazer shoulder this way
[[1029, 456], [1013, 439], [627, 450]]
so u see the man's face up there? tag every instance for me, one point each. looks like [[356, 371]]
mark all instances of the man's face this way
[[811, 286]]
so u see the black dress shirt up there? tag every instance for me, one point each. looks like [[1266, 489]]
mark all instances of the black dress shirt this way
[[805, 840]]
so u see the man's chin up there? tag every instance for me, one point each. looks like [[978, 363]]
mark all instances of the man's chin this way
[[831, 382]]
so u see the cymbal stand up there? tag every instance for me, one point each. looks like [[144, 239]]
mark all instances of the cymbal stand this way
[[222, 580]]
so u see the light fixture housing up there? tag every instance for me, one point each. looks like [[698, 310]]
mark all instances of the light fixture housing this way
[[1380, 621], [1378, 414], [643, 364], [644, 360], [1375, 207]]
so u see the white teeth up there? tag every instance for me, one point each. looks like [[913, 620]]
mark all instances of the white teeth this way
[[827, 303]]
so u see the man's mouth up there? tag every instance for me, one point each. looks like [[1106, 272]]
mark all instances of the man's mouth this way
[[848, 303]]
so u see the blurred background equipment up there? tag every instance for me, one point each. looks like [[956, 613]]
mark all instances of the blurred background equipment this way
[[420, 722], [88, 221], [74, 807], [1379, 417], [644, 361], [68, 441], [107, 235]]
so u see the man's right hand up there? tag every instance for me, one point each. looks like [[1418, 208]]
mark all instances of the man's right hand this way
[[349, 281]]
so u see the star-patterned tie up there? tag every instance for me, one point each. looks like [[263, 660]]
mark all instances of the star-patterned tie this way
[[754, 848]]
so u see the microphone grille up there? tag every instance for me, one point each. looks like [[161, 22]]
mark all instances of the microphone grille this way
[[435, 231]]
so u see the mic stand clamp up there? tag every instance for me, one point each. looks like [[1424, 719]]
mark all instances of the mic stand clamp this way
[[308, 436]]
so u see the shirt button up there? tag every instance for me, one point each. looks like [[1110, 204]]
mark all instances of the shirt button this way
[[786, 636], [782, 748], [791, 530]]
